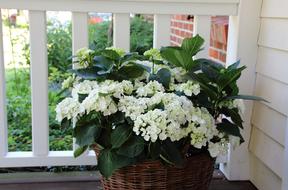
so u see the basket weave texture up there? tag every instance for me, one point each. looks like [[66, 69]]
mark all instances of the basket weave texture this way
[[153, 175]]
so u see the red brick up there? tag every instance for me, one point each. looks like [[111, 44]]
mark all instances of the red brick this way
[[213, 53], [222, 57]]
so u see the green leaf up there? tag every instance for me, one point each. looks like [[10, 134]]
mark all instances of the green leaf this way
[[193, 45], [208, 89], [168, 53], [86, 134], [234, 65], [164, 77], [130, 70], [82, 97], [104, 64], [230, 77], [111, 54], [109, 161], [120, 135], [80, 151], [247, 97], [229, 128], [154, 150], [133, 147], [87, 73], [235, 116], [170, 152], [106, 164]]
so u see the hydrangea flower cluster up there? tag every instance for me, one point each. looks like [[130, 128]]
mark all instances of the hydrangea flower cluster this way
[[157, 114]]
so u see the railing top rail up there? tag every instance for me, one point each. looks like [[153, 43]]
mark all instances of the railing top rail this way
[[197, 7]]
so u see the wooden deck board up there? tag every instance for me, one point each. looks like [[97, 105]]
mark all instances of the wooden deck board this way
[[89, 181], [215, 185]]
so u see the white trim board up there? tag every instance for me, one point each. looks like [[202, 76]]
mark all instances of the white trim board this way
[[285, 170]]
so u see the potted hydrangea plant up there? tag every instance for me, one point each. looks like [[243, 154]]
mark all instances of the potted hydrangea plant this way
[[156, 121]]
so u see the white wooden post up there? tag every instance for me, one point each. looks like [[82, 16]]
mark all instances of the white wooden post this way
[[79, 39], [162, 32], [242, 43], [3, 116], [285, 170], [39, 82], [202, 26], [121, 31], [79, 31]]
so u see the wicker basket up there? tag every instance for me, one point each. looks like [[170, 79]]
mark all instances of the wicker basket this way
[[153, 175]]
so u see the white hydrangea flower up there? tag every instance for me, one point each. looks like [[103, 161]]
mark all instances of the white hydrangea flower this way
[[189, 88], [178, 74], [68, 82], [150, 89], [84, 87], [217, 149], [239, 103], [97, 102], [151, 124], [68, 108]]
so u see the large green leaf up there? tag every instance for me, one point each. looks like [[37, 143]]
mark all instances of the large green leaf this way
[[87, 73], [193, 45], [109, 161], [120, 135], [130, 70], [247, 97], [164, 77], [208, 89], [171, 153], [86, 134], [111, 54], [168, 53], [234, 65], [235, 116], [229, 128], [106, 163], [80, 151], [154, 149], [133, 147], [230, 77]]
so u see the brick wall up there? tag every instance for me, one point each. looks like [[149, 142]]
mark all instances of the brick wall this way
[[182, 26]]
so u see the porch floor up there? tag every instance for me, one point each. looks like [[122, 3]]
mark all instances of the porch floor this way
[[93, 183]]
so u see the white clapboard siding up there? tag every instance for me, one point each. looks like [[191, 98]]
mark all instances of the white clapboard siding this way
[[121, 31], [274, 91], [161, 33], [267, 150], [285, 170], [3, 118], [262, 177], [54, 158], [273, 63], [202, 26], [275, 8], [199, 7], [39, 82], [274, 38], [271, 122]]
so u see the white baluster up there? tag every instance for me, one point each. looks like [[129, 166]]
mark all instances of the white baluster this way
[[121, 31], [3, 116], [39, 83], [161, 31], [79, 39], [202, 26]]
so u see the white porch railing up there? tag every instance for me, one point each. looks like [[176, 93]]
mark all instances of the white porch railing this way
[[162, 9]]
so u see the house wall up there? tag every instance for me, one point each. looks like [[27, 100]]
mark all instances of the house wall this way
[[182, 27], [269, 120]]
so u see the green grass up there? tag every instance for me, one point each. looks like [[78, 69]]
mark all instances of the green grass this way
[[19, 114]]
